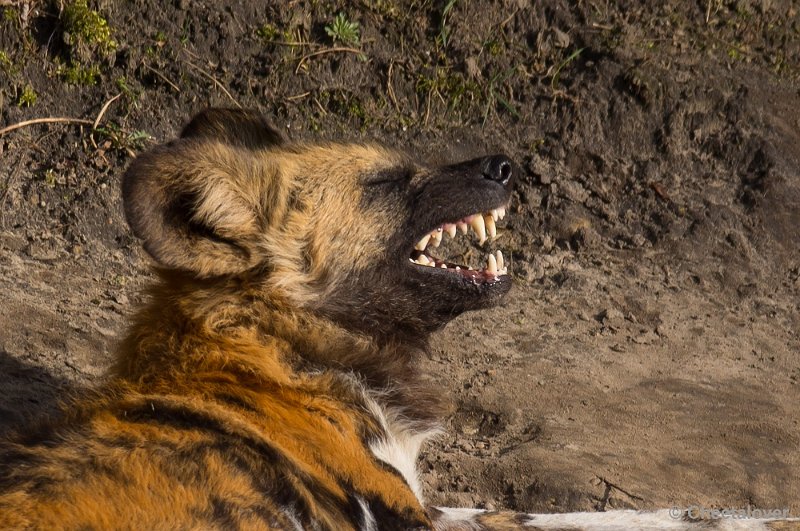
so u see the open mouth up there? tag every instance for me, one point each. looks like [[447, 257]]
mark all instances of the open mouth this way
[[484, 225]]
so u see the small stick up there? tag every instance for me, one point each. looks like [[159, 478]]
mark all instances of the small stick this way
[[389, 88], [217, 83], [163, 77], [103, 110], [26, 123], [293, 43], [321, 108], [508, 19], [100, 117], [321, 52], [298, 96]]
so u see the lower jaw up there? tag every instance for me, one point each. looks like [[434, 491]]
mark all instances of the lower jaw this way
[[495, 267]]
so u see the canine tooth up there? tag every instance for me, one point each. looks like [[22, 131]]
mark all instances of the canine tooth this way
[[450, 229], [432, 263], [479, 227], [436, 237], [423, 260], [491, 264], [420, 246], [462, 227], [491, 229], [501, 212], [494, 214], [500, 262]]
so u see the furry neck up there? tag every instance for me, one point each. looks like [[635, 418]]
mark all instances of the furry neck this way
[[191, 329]]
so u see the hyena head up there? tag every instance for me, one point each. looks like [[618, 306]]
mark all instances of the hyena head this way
[[337, 230]]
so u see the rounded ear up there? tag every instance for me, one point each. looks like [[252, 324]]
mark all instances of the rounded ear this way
[[195, 201], [235, 127]]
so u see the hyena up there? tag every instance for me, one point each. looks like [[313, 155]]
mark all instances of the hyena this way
[[271, 380]]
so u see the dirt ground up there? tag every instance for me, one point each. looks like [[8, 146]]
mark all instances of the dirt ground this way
[[648, 353]]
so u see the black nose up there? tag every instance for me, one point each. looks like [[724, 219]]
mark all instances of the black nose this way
[[498, 168]]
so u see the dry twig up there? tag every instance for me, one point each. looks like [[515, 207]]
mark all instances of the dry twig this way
[[60, 120], [100, 117], [216, 82], [390, 88], [164, 78], [327, 50]]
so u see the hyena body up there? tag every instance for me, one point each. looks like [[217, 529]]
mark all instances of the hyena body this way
[[270, 382]]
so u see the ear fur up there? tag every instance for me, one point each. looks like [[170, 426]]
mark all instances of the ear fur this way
[[196, 201], [235, 127]]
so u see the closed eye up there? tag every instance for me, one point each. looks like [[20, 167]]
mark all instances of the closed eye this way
[[390, 176]]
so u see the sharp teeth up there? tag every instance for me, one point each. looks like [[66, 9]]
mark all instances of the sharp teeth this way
[[458, 268], [479, 227], [501, 212], [450, 229], [494, 214], [491, 264], [423, 260], [501, 264], [443, 266], [436, 237], [491, 229], [422, 243], [462, 227]]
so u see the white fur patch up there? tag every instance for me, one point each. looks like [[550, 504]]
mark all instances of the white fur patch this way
[[369, 523], [462, 517], [291, 515], [468, 519], [400, 445], [656, 520]]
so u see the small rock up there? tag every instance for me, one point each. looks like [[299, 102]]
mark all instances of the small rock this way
[[472, 68], [610, 315], [561, 38]]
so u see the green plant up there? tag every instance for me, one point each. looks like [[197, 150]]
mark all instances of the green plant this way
[[87, 27], [267, 32], [493, 96], [10, 14], [130, 94], [77, 74], [571, 57], [88, 37], [5, 61], [449, 85], [444, 31], [494, 47], [27, 97], [50, 177], [123, 140], [343, 30]]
